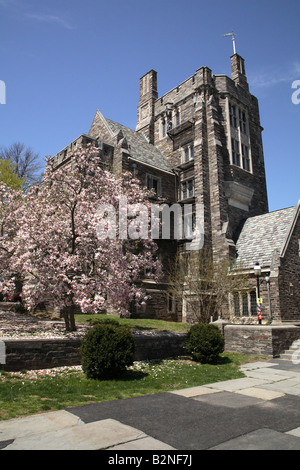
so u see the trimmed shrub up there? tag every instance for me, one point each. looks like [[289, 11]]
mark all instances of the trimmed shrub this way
[[106, 350], [205, 342]]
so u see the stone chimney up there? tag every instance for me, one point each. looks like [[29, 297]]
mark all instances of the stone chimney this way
[[238, 73], [148, 96]]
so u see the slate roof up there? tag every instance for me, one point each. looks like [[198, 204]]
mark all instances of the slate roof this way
[[140, 149], [264, 235]]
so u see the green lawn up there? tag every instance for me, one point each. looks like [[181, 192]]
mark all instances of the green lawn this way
[[31, 392], [138, 323]]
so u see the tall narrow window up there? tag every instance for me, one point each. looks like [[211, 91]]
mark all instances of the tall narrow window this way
[[245, 157], [192, 152], [245, 305], [177, 118], [184, 190], [236, 301], [188, 153], [240, 152], [235, 147], [243, 121], [233, 115], [164, 128], [253, 305], [171, 303], [191, 188], [189, 225]]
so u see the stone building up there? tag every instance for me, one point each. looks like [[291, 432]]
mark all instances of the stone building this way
[[272, 241], [201, 144]]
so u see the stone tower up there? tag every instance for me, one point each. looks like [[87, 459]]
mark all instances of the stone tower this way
[[208, 127]]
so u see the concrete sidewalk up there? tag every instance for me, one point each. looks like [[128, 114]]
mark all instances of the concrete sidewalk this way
[[259, 412]]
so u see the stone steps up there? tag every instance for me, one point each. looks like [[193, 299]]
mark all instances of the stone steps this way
[[291, 353]]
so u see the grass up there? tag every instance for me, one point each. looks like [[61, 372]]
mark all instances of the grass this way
[[138, 323], [33, 392]]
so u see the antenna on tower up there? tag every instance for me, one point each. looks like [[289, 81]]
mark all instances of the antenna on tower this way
[[232, 34]]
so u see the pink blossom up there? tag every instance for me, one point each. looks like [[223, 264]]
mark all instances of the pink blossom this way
[[50, 239]]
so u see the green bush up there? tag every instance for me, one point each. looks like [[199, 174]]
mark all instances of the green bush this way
[[106, 350], [205, 342]]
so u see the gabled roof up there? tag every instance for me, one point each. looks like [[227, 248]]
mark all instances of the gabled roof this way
[[265, 235], [138, 146]]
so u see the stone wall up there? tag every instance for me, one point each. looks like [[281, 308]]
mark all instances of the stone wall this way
[[289, 279], [258, 339], [30, 354]]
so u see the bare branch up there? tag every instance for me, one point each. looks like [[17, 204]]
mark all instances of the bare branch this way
[[26, 161], [202, 284]]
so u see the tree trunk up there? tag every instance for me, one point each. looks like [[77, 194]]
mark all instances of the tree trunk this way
[[72, 318], [69, 317]]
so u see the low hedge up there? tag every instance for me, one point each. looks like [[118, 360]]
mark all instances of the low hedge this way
[[106, 350], [205, 342]]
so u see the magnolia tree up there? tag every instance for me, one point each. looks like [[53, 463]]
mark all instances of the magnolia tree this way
[[68, 246]]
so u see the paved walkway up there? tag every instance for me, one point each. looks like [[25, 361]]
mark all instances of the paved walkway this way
[[258, 412]]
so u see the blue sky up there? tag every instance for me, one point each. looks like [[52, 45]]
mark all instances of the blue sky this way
[[63, 60]]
